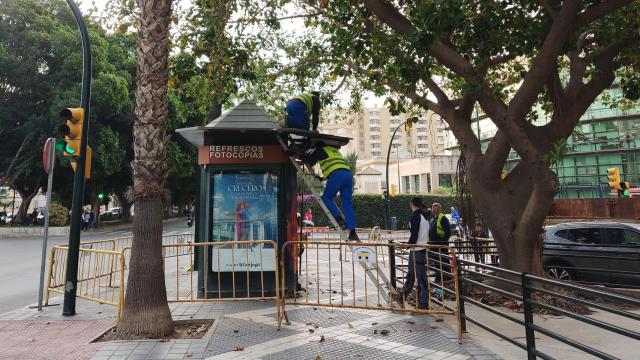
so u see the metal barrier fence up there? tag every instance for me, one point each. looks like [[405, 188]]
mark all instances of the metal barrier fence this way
[[240, 260], [536, 293], [324, 276], [99, 274], [102, 273]]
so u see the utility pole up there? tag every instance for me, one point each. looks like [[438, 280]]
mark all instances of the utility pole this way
[[70, 287]]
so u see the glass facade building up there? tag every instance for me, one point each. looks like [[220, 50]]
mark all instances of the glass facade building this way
[[605, 137]]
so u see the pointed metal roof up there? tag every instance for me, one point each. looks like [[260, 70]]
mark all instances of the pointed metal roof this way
[[246, 116]]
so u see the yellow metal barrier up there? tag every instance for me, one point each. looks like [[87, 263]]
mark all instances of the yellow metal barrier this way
[[328, 278], [97, 270], [240, 259]]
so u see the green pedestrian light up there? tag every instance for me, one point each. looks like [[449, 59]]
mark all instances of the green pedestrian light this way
[[63, 147], [101, 196]]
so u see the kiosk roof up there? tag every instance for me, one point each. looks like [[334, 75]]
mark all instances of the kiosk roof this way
[[247, 117]]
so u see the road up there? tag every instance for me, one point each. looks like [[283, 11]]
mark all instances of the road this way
[[20, 262]]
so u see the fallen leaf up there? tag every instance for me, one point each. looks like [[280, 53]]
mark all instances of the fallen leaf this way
[[309, 324], [311, 331], [375, 323], [375, 331], [188, 355], [32, 340], [238, 348], [350, 326], [384, 332], [318, 357], [235, 331], [411, 322], [322, 338], [202, 328], [439, 320], [434, 327]]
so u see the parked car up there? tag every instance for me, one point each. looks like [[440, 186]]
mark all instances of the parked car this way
[[593, 252]]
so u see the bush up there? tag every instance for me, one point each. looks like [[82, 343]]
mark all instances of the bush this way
[[59, 214], [370, 209]]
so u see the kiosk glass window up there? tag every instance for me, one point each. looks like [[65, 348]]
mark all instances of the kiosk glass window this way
[[244, 206]]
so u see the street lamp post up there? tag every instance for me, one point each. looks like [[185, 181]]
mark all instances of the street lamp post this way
[[387, 195]]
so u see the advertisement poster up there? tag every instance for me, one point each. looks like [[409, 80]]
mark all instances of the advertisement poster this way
[[245, 208]]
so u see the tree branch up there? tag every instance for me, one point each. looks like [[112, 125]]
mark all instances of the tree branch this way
[[389, 15], [538, 73], [448, 57], [548, 8], [600, 10], [496, 154]]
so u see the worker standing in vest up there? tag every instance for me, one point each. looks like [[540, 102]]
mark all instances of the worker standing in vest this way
[[303, 111], [439, 234], [337, 173]]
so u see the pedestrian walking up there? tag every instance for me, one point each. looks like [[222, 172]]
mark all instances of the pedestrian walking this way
[[419, 229], [92, 219], [85, 220], [439, 234]]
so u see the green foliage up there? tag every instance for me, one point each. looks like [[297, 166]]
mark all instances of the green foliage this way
[[370, 209], [557, 153], [59, 214], [40, 73]]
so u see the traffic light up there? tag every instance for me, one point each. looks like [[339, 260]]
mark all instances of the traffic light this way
[[624, 189], [394, 190], [87, 163], [409, 123], [614, 178], [71, 129]]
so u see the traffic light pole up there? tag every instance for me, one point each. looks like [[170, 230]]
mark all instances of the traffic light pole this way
[[69, 307]]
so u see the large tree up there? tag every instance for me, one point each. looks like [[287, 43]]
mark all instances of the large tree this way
[[40, 73], [516, 59], [146, 311]]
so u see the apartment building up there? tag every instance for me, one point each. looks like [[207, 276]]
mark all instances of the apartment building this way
[[371, 130]]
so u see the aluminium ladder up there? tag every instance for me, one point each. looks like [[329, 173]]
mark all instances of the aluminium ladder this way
[[309, 177]]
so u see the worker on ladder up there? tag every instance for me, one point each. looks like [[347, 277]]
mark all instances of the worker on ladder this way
[[337, 173], [303, 111]]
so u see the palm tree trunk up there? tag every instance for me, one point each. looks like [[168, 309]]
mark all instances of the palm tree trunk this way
[[146, 311]]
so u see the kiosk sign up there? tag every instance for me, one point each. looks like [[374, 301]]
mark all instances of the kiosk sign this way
[[241, 154]]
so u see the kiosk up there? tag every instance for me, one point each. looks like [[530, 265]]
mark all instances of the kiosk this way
[[248, 192]]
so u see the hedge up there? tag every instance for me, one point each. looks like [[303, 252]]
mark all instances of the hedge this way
[[58, 215], [370, 209]]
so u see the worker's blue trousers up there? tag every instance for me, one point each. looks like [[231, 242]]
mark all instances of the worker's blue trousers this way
[[341, 181], [297, 116]]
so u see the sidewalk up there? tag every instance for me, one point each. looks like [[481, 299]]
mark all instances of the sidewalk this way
[[242, 330]]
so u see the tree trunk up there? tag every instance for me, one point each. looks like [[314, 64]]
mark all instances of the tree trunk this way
[[27, 197], [146, 311], [517, 225]]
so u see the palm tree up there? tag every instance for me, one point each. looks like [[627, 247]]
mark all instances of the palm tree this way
[[146, 311]]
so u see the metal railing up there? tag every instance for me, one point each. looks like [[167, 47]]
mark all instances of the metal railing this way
[[540, 294], [350, 275]]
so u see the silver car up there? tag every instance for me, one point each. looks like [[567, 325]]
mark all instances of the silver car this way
[[594, 252]]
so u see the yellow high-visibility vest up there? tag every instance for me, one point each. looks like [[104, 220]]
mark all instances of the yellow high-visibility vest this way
[[333, 162]]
